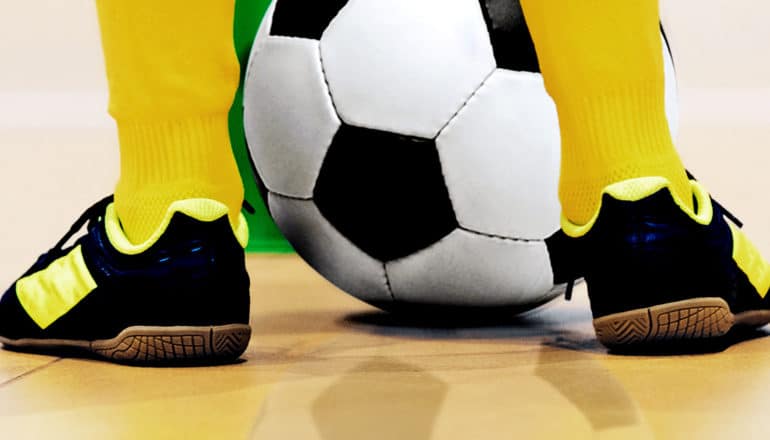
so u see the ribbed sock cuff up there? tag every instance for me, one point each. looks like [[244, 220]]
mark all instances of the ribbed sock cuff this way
[[172, 150], [166, 161], [617, 124], [616, 134]]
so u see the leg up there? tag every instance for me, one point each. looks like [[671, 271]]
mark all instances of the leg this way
[[173, 72], [602, 63]]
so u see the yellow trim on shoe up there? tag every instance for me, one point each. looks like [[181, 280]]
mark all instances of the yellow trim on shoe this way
[[750, 261], [205, 210], [633, 190], [50, 293]]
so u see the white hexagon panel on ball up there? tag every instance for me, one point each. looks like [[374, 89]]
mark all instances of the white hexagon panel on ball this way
[[467, 269], [290, 119], [408, 82], [500, 157]]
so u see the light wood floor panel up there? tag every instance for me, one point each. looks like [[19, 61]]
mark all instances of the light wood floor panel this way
[[14, 366]]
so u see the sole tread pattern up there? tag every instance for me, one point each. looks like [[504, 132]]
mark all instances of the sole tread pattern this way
[[698, 318], [628, 331], [153, 345], [231, 343], [150, 348], [692, 322], [148, 345]]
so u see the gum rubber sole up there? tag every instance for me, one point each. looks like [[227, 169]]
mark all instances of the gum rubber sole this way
[[697, 318], [156, 345]]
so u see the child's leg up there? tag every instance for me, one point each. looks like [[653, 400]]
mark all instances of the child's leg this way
[[602, 63], [173, 72]]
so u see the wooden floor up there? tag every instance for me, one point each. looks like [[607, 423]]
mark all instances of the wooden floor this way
[[323, 366]]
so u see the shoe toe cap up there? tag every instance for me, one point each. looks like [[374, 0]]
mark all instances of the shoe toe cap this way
[[15, 323]]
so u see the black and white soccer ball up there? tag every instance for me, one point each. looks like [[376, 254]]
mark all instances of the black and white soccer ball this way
[[408, 149]]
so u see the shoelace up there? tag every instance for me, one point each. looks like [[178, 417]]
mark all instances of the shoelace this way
[[728, 214], [90, 216]]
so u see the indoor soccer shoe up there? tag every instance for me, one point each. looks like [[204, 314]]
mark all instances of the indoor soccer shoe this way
[[657, 271], [183, 296]]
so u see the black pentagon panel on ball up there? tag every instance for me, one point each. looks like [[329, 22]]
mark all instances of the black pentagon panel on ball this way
[[384, 192], [304, 18], [509, 35]]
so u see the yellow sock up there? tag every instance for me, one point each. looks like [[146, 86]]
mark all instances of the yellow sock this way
[[173, 73], [602, 61]]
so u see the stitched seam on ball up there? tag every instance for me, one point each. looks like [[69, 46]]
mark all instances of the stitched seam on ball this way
[[334, 108], [387, 282], [501, 237], [465, 103], [438, 147], [328, 86], [286, 196]]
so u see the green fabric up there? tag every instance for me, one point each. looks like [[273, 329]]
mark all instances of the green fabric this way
[[265, 236]]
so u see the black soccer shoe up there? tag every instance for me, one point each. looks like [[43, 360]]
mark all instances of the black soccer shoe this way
[[660, 273], [182, 297]]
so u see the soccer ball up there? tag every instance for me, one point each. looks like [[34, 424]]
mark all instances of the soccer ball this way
[[408, 150]]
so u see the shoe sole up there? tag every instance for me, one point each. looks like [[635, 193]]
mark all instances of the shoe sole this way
[[155, 345], [692, 319]]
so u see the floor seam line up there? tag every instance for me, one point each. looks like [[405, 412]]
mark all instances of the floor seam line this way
[[29, 372]]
